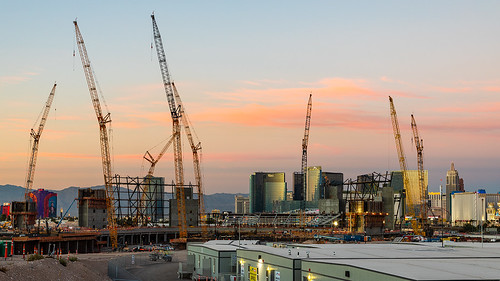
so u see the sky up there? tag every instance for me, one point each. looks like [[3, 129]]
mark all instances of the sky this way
[[244, 70]]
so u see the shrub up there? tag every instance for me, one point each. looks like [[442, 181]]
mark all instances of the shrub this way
[[469, 228], [63, 262], [72, 259], [35, 257]]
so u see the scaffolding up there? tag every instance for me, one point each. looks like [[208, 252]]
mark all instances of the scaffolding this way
[[364, 213], [143, 200]]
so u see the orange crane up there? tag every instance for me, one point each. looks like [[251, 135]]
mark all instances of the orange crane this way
[[410, 200], [305, 141], [175, 113], [419, 143], [36, 140], [147, 180], [103, 121], [195, 148]]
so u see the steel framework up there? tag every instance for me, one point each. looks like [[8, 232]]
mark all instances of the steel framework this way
[[152, 193], [365, 187]]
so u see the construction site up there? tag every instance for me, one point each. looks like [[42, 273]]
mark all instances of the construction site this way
[[150, 209]]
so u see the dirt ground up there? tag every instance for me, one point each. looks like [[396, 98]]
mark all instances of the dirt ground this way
[[48, 269], [87, 267]]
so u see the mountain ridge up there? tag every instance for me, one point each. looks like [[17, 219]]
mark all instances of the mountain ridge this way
[[8, 193]]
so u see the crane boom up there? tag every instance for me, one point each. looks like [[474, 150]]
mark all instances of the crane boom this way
[[419, 143], [148, 157], [36, 140], [195, 148], [176, 128], [305, 141], [104, 138], [141, 214], [410, 201]]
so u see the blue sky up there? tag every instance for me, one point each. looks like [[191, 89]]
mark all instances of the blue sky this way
[[244, 71]]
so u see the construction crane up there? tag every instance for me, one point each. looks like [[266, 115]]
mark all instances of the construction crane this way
[[147, 180], [36, 140], [419, 143], [152, 160], [104, 121], [195, 148], [410, 200], [175, 113], [305, 141]]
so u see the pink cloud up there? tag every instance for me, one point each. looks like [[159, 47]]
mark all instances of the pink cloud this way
[[16, 79], [478, 108], [249, 157], [255, 115], [452, 89], [68, 155]]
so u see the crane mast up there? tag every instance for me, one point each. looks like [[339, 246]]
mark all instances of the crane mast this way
[[419, 143], [175, 112], [305, 141], [36, 140], [195, 147], [410, 201], [104, 138]]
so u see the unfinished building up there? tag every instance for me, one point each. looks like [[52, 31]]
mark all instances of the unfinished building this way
[[23, 214], [92, 211], [192, 213]]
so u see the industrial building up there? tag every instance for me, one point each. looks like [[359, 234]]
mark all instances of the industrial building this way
[[46, 203], [216, 258], [92, 211], [265, 189], [325, 262]]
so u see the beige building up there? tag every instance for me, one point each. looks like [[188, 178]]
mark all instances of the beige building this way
[[468, 207], [241, 204], [473, 207]]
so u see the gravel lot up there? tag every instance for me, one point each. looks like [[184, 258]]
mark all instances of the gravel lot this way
[[89, 267]]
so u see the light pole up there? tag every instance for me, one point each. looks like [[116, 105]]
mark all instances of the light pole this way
[[442, 214], [482, 212]]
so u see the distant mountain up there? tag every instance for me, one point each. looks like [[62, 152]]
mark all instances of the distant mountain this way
[[9, 193], [220, 201]]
